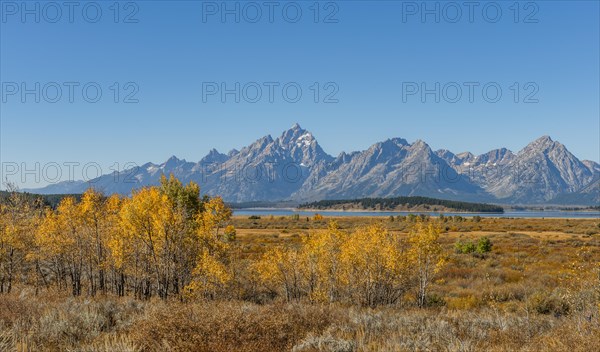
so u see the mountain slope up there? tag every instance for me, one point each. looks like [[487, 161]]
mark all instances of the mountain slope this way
[[393, 168], [539, 172], [293, 166]]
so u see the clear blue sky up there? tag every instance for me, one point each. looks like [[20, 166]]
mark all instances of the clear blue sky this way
[[175, 46]]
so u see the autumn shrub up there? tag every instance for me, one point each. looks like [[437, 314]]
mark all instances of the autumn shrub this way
[[570, 334], [434, 300], [14, 310], [504, 293], [76, 321], [109, 343], [437, 330], [325, 343], [462, 303], [52, 322], [229, 326]]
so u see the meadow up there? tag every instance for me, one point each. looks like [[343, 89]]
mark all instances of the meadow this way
[[304, 284]]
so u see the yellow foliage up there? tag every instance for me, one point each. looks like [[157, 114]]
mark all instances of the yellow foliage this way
[[374, 266], [280, 269], [210, 276], [320, 259], [426, 255], [213, 218], [161, 240], [367, 266]]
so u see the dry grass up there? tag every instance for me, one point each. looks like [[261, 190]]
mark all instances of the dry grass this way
[[107, 324], [450, 330], [569, 226]]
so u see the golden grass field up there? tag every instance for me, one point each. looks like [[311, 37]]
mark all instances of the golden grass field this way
[[537, 290]]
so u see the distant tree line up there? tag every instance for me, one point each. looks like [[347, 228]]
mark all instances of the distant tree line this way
[[259, 204], [393, 203], [44, 200]]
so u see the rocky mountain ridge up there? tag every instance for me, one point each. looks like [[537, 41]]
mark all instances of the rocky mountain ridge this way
[[294, 167]]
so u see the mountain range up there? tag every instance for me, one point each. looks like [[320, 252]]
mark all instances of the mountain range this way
[[294, 167]]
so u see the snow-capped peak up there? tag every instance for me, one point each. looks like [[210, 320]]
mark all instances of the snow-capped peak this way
[[305, 139]]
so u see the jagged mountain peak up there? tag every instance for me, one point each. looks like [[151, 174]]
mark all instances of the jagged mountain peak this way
[[444, 152], [542, 144], [545, 147], [544, 139], [539, 172], [391, 143], [465, 156], [502, 151], [261, 142], [301, 145], [420, 145], [172, 162], [398, 141], [232, 152], [448, 156], [296, 136], [214, 156], [496, 156]]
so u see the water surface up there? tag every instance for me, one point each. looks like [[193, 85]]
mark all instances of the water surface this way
[[508, 214]]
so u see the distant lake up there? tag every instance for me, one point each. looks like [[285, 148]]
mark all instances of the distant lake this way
[[509, 214]]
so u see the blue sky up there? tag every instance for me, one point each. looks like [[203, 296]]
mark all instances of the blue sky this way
[[366, 60]]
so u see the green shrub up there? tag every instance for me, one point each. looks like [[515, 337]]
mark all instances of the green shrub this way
[[464, 247], [484, 245]]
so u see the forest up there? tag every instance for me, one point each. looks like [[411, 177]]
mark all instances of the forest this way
[[405, 202]]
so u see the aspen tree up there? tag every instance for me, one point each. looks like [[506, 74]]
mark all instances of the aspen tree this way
[[426, 256]]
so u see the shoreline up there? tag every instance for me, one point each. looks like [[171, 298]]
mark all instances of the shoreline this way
[[394, 211], [551, 214]]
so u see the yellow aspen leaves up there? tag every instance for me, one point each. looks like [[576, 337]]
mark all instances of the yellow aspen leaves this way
[[426, 255], [162, 240], [370, 265]]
